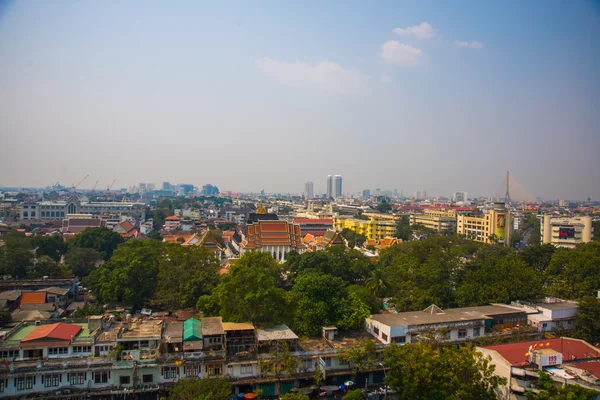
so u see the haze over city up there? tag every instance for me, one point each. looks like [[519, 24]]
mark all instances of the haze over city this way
[[249, 96]]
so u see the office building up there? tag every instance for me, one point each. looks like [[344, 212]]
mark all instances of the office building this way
[[58, 210], [437, 220], [309, 190], [338, 186], [366, 194], [566, 232], [460, 197], [494, 227], [210, 190], [329, 193], [372, 229]]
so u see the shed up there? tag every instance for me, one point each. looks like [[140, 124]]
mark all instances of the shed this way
[[192, 330]]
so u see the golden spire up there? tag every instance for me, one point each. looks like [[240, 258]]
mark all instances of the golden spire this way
[[261, 209]]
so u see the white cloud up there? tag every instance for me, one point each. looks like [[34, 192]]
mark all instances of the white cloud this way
[[400, 54], [324, 75], [422, 31], [385, 78], [473, 45]]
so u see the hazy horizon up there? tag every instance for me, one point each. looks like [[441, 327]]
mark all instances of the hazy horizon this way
[[248, 96]]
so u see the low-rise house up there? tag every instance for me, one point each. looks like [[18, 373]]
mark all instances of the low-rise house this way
[[12, 298], [126, 229], [568, 361], [57, 296], [453, 325], [550, 314]]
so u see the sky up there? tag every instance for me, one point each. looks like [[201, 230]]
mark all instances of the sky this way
[[408, 95]]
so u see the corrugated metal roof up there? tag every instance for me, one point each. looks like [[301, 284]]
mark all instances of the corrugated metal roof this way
[[60, 331], [33, 298], [192, 330]]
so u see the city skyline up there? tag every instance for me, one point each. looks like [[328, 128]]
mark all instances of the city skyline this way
[[387, 95]]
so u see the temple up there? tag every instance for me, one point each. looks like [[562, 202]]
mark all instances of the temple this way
[[265, 232]]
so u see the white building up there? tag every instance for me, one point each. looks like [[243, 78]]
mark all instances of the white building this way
[[566, 232]]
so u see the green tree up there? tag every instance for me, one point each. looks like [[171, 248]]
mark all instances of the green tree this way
[[403, 228], [16, 256], [130, 275], [574, 273], [350, 265], [279, 362], [498, 280], [88, 309], [322, 299], [294, 396], [384, 207], [377, 283], [52, 246], [5, 316], [318, 377], [46, 266], [421, 371], [354, 239], [249, 292], [201, 389], [588, 319], [538, 256], [155, 235], [103, 240], [82, 261], [355, 394], [184, 274], [550, 391], [359, 357]]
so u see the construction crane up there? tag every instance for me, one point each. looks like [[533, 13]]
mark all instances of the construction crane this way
[[109, 187], [54, 185], [75, 185], [94, 188]]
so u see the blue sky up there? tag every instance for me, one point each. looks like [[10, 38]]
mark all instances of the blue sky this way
[[267, 95]]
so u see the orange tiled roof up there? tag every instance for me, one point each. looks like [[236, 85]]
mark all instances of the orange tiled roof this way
[[33, 298], [273, 233], [61, 331]]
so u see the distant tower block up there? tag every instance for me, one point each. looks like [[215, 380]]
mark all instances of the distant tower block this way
[[507, 195]]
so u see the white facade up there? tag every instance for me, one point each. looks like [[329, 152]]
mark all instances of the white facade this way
[[566, 232]]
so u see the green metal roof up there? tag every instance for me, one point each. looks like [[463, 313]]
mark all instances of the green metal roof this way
[[192, 330]]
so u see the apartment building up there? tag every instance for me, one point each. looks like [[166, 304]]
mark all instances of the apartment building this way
[[437, 220], [495, 226], [566, 232], [371, 229]]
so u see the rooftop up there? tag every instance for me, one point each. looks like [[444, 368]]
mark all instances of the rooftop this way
[[142, 328], [237, 326], [33, 298], [212, 326], [449, 315], [60, 331], [278, 332], [514, 353]]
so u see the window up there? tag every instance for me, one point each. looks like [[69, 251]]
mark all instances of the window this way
[[77, 378], [57, 350], [399, 339], [384, 336], [212, 370], [101, 376], [52, 380], [327, 361], [462, 333], [82, 349], [170, 372], [191, 371], [125, 380], [25, 382], [148, 378], [9, 354], [476, 332], [376, 330], [246, 368]]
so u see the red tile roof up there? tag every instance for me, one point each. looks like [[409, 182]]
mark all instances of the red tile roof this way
[[172, 218], [33, 298], [59, 331], [592, 367], [515, 353]]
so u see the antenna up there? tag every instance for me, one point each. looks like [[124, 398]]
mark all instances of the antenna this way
[[507, 195]]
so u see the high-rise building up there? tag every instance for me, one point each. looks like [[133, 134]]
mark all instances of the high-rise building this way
[[460, 197], [209, 190], [338, 186], [309, 191], [329, 186], [494, 227], [366, 193], [167, 186], [424, 194]]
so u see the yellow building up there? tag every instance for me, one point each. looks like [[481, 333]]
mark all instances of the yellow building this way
[[566, 232], [494, 227], [371, 229], [438, 220]]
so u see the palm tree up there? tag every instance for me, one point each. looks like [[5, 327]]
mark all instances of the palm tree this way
[[377, 284]]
